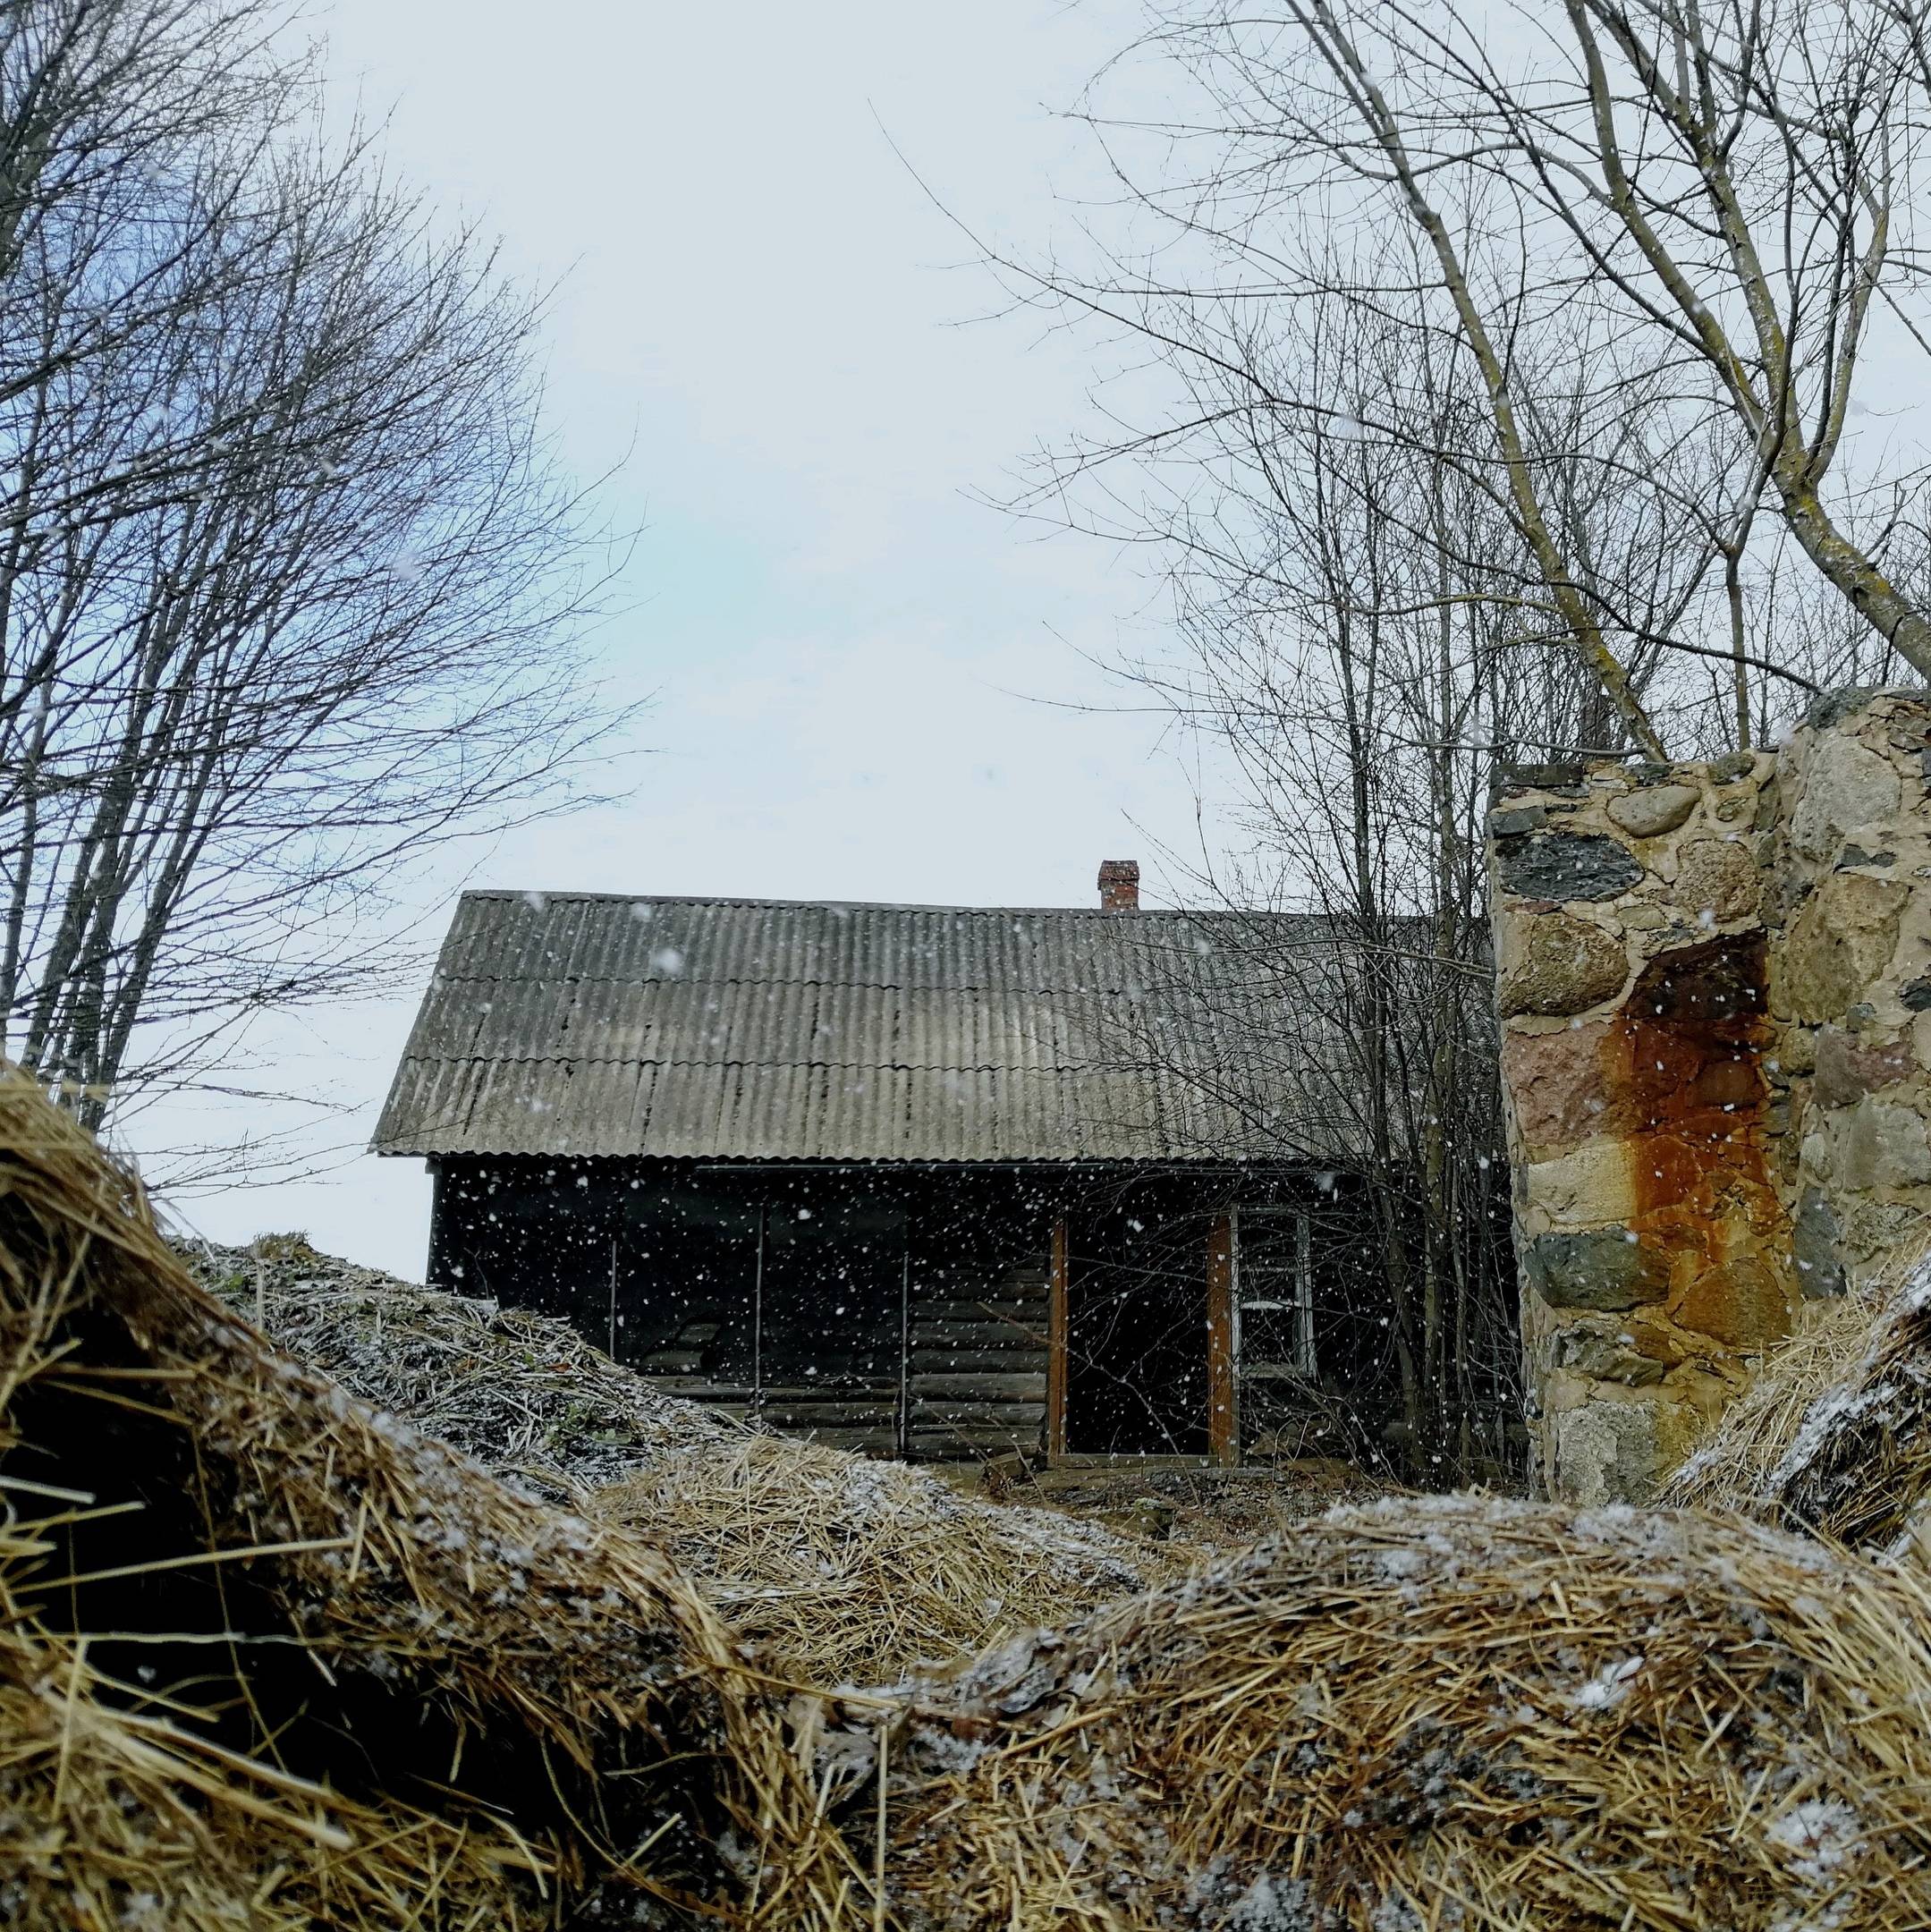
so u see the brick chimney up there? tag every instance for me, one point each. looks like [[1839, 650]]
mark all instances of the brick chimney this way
[[1119, 885]]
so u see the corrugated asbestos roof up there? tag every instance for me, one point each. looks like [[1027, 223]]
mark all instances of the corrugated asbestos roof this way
[[570, 1024]]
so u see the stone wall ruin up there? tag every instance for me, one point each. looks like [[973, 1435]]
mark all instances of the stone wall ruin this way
[[1715, 985]]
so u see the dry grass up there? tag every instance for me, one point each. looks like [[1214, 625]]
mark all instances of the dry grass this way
[[1214, 1509], [524, 1395], [117, 1810], [267, 1656], [1732, 1468], [834, 1570], [1833, 1438], [1859, 1468], [1469, 1714]]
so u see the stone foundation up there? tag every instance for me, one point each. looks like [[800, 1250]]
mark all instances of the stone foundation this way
[[1714, 982]]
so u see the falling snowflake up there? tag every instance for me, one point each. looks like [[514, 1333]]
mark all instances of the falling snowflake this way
[[1609, 1686]]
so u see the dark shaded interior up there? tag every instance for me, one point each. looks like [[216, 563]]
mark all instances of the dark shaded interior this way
[[1135, 1378]]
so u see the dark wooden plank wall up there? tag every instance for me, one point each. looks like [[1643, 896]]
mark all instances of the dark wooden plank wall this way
[[974, 1384], [937, 1349], [862, 1419], [976, 1370]]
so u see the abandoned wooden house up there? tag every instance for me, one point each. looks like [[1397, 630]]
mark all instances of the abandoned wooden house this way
[[933, 1181]]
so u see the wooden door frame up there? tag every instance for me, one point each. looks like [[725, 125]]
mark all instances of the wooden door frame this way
[[1223, 1370], [1058, 1328]]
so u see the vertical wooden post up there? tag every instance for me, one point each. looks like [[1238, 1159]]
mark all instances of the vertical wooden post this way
[[612, 1349], [1222, 1415], [758, 1323], [1057, 1326], [903, 1419]]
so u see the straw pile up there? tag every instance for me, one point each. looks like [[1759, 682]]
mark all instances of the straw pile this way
[[836, 1570], [1732, 1468], [113, 1812], [269, 1657], [831, 1569], [1834, 1437], [525, 1395], [1464, 1713], [1859, 1468]]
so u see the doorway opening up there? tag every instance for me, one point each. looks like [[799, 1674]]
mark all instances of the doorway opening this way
[[1137, 1334]]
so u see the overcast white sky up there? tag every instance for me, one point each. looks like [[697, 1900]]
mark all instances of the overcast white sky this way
[[762, 308]]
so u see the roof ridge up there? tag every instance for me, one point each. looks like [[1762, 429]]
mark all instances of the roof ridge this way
[[882, 905]]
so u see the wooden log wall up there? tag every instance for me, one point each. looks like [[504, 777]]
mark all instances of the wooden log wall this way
[[975, 1382], [862, 1417], [977, 1367], [911, 1316]]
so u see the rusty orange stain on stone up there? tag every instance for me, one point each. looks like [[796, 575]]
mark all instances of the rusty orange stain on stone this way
[[1685, 1055]]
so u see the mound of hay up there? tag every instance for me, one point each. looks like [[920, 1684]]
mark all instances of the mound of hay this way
[[1466, 1713], [268, 1656], [1858, 1469], [1214, 1509], [1834, 1437], [114, 1813], [833, 1568], [524, 1395], [1734, 1467], [837, 1571]]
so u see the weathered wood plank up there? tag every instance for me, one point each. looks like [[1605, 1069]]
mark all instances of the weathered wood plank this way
[[863, 1441], [828, 1415], [836, 1392], [1026, 1388], [1004, 1415], [959, 1444], [674, 1362], [1223, 1411], [1000, 1311], [974, 1361], [978, 1334]]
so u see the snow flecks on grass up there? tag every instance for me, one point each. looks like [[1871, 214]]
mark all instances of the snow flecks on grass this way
[[1508, 1695], [833, 1568]]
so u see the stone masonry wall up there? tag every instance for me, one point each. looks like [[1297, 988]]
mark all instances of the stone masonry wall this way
[[1714, 984]]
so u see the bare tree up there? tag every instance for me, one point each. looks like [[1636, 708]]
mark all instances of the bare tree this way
[[1351, 652], [289, 588], [1499, 403], [1722, 196], [1353, 695]]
